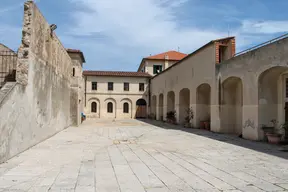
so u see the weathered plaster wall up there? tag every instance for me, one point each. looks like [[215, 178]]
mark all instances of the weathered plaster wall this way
[[77, 89], [192, 72], [39, 105], [259, 71]]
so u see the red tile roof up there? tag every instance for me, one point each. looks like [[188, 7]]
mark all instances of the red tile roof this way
[[171, 55], [116, 73], [77, 51]]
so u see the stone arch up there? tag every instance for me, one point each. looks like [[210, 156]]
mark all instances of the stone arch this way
[[184, 104], [89, 110], [272, 96], [203, 101], [153, 106], [232, 106], [161, 105], [123, 102], [109, 114], [141, 111], [170, 101]]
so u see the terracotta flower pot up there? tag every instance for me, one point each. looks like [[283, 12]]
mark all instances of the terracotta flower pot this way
[[273, 138], [207, 125], [202, 124]]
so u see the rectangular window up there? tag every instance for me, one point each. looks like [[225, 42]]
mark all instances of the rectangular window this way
[[94, 85], [141, 87], [157, 69], [126, 86], [110, 86]]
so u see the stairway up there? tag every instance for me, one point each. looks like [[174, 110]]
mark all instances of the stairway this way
[[5, 89]]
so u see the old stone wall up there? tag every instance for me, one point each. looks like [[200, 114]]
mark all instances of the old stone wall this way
[[39, 105]]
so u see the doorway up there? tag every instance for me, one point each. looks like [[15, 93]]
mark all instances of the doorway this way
[[141, 111]]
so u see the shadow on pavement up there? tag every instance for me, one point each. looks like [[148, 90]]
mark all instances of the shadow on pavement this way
[[267, 148]]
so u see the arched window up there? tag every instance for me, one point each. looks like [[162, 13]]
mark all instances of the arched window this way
[[125, 108], [110, 107], [94, 107]]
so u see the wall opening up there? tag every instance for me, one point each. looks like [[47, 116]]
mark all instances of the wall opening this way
[[272, 97], [203, 113], [170, 101], [161, 105], [231, 108], [184, 104], [141, 111]]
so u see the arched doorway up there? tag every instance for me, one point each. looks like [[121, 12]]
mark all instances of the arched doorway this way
[[203, 103], [161, 104], [184, 104], [273, 96], [141, 111], [153, 107], [231, 108], [170, 101]]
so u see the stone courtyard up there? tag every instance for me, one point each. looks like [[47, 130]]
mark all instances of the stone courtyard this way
[[136, 156]]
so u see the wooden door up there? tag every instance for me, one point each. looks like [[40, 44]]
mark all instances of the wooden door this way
[[141, 112]]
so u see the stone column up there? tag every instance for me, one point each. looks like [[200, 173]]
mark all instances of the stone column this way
[[215, 109], [177, 106], [193, 105], [250, 108], [157, 108], [164, 106]]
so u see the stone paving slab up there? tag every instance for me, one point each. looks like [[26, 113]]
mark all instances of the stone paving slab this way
[[136, 156]]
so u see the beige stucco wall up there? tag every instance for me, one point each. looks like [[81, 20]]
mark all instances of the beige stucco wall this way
[[191, 73], [246, 92], [118, 96], [148, 64], [261, 72]]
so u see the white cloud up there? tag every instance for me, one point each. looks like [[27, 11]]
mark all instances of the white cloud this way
[[10, 35], [264, 27], [149, 24]]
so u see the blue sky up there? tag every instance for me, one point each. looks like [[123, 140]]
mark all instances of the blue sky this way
[[117, 34]]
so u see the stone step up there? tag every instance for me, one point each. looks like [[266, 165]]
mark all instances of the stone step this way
[[5, 89]]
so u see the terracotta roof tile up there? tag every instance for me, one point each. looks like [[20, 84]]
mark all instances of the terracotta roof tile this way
[[116, 73], [172, 55]]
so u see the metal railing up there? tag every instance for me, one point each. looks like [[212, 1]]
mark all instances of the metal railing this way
[[8, 62], [262, 44]]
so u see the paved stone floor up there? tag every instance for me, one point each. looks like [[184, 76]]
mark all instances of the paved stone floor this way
[[135, 156]]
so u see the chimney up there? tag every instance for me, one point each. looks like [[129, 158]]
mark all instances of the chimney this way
[[166, 57]]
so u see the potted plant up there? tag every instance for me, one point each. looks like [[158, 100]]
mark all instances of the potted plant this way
[[272, 134], [269, 128], [285, 128], [202, 124], [207, 124], [171, 117], [189, 117]]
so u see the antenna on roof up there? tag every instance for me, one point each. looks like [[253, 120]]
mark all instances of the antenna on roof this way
[[178, 49]]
